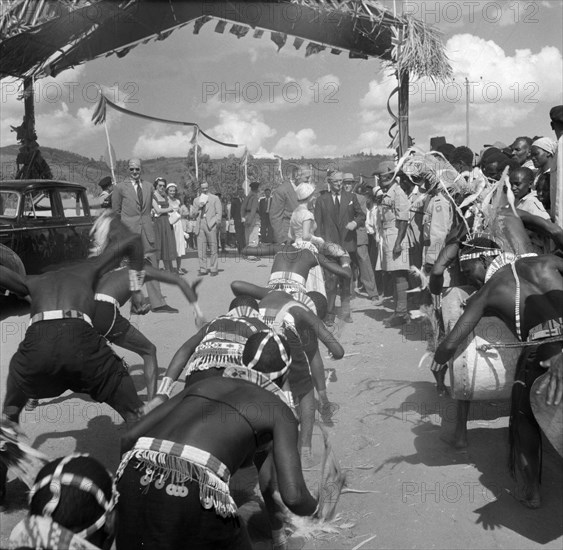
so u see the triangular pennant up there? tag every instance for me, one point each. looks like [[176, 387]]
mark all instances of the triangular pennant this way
[[335, 51], [279, 39], [124, 52], [200, 22], [313, 48], [258, 33], [298, 42], [239, 31], [357, 55], [220, 27]]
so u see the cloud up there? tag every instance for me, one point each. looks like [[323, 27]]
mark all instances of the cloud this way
[[246, 128], [269, 94], [448, 15], [513, 88], [303, 144], [63, 111]]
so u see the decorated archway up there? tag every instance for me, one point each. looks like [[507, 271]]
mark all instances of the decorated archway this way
[[45, 37]]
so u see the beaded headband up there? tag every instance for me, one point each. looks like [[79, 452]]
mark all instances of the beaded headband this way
[[271, 335], [57, 479]]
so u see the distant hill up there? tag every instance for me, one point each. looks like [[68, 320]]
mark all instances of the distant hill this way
[[224, 175]]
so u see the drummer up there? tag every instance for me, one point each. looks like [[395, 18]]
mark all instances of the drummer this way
[[527, 294]]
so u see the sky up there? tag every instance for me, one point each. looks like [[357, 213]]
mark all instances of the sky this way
[[281, 103]]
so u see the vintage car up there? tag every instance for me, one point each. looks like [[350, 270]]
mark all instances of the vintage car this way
[[42, 222]]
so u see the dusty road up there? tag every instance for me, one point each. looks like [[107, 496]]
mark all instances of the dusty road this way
[[386, 435]]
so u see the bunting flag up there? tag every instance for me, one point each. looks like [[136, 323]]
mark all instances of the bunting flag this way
[[357, 55], [200, 22], [239, 31], [99, 117], [313, 48], [258, 33], [335, 51], [279, 39], [220, 27], [194, 144], [298, 42]]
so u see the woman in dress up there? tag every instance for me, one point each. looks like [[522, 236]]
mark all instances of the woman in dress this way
[[176, 221], [543, 152], [165, 243], [302, 226]]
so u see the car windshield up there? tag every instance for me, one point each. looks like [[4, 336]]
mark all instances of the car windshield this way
[[9, 204]]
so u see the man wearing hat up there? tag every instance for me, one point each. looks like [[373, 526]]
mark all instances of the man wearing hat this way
[[394, 213], [361, 258], [338, 215], [556, 115], [250, 217], [209, 209]]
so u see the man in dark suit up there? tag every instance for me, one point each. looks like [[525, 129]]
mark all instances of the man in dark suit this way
[[236, 203], [132, 201], [338, 214], [264, 205], [284, 202]]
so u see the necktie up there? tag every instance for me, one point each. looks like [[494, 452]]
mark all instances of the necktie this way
[[140, 196], [336, 203]]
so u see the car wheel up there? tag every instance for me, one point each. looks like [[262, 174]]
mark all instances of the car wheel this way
[[9, 259]]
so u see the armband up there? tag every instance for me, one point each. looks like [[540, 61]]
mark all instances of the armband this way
[[136, 279], [166, 386]]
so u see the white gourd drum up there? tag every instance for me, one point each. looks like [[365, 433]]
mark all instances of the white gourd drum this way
[[475, 374]]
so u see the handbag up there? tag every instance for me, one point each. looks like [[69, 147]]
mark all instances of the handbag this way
[[173, 217]]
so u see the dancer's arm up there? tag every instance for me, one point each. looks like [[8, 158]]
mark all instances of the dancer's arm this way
[[334, 267], [12, 281], [155, 416], [323, 334], [242, 288], [262, 249], [189, 290]]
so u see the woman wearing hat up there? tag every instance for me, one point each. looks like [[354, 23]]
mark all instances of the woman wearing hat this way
[[302, 226], [165, 243], [176, 222], [543, 151]]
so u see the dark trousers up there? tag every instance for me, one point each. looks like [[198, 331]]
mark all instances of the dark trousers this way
[[241, 239]]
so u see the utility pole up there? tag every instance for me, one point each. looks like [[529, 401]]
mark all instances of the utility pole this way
[[466, 112]]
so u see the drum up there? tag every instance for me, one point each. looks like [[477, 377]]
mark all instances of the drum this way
[[475, 374]]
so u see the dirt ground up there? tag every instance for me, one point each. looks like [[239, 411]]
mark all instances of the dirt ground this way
[[423, 494]]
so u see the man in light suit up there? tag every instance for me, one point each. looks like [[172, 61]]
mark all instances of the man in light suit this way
[[338, 214], [209, 212], [132, 201], [284, 202]]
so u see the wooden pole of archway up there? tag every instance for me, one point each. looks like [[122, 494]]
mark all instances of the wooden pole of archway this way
[[403, 123], [31, 164]]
